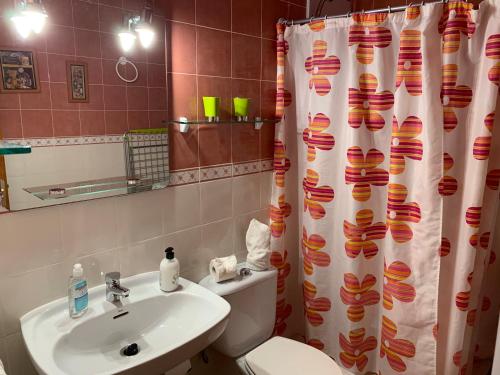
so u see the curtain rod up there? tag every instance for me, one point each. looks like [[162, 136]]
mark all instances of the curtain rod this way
[[388, 9]]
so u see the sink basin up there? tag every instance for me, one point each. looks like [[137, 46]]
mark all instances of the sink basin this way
[[168, 328]]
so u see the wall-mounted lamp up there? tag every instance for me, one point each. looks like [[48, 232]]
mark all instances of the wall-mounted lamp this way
[[29, 16], [137, 26]]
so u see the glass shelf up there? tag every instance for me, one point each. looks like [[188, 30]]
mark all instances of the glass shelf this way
[[220, 122], [115, 185], [8, 148]]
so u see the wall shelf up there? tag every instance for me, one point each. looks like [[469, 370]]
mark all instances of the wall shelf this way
[[185, 123], [118, 185], [8, 148]]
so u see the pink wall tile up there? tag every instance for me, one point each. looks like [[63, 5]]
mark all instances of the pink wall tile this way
[[138, 119], [183, 150], [268, 60], [245, 143], [137, 98], [246, 17], [182, 96], [96, 98], [37, 100], [59, 96], [215, 144], [10, 101], [10, 123], [245, 56], [57, 67], [178, 10], [181, 38], [157, 98], [156, 75], [85, 15], [115, 97], [214, 13], [87, 43], [61, 12], [92, 122], [116, 122], [37, 124], [272, 11], [213, 52], [66, 123], [60, 39]]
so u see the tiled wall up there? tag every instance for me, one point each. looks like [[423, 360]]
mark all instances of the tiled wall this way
[[129, 234], [201, 220], [220, 48], [83, 31]]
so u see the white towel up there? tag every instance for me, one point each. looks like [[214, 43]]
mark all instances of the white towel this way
[[223, 269], [258, 240], [2, 371]]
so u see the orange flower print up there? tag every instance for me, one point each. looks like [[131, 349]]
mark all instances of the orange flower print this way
[[455, 21], [365, 103], [394, 287], [492, 51], [320, 66], [281, 163], [315, 343], [457, 360], [314, 306], [360, 236], [410, 62], [493, 179], [482, 144], [462, 299], [357, 295], [412, 12], [281, 50], [317, 25], [278, 215], [312, 250], [355, 347], [315, 138], [283, 96], [453, 96], [314, 195], [279, 261], [394, 348], [445, 247], [480, 241], [363, 172], [283, 312], [399, 212], [367, 36], [471, 315], [404, 143], [473, 216], [448, 185]]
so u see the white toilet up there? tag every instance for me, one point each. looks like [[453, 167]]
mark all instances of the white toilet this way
[[246, 338]]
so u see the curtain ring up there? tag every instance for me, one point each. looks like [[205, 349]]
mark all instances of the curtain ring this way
[[292, 22], [389, 8], [348, 14], [326, 17], [422, 3]]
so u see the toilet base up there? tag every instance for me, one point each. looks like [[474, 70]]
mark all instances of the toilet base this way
[[242, 366]]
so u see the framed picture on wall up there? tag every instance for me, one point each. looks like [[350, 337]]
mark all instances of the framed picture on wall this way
[[78, 86], [18, 71]]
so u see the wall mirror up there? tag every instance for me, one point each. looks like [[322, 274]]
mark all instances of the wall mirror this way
[[37, 175]]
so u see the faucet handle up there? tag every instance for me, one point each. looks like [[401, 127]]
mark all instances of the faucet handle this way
[[110, 277]]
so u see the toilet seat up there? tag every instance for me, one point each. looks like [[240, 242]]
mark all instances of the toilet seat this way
[[282, 356]]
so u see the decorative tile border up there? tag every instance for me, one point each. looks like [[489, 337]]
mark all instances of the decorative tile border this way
[[69, 141], [195, 175]]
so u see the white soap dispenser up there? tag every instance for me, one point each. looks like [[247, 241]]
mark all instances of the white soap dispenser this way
[[169, 271], [78, 298]]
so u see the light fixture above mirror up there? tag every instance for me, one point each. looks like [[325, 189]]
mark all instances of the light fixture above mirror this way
[[137, 26], [29, 16]]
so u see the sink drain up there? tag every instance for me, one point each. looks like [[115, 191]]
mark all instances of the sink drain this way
[[130, 350]]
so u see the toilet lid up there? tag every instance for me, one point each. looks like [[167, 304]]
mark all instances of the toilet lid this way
[[282, 356]]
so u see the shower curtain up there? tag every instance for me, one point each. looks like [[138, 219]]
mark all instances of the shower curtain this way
[[386, 186]]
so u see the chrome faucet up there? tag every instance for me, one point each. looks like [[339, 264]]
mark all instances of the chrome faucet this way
[[114, 291]]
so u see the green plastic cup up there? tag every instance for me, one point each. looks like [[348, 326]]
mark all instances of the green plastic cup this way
[[211, 106], [241, 107]]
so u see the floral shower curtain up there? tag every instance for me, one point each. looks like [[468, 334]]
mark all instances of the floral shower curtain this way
[[388, 157]]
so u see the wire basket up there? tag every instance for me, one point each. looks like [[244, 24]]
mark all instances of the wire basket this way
[[146, 158]]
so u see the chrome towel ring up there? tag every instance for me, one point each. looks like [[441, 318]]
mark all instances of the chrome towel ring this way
[[124, 61]]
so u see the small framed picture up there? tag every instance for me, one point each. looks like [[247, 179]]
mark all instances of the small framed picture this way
[[78, 87], [18, 71]]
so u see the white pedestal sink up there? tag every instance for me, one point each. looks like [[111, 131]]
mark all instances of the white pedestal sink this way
[[169, 328]]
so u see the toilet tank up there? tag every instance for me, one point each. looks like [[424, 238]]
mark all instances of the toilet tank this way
[[253, 308]]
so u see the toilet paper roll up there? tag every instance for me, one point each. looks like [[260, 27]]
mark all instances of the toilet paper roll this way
[[223, 269]]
